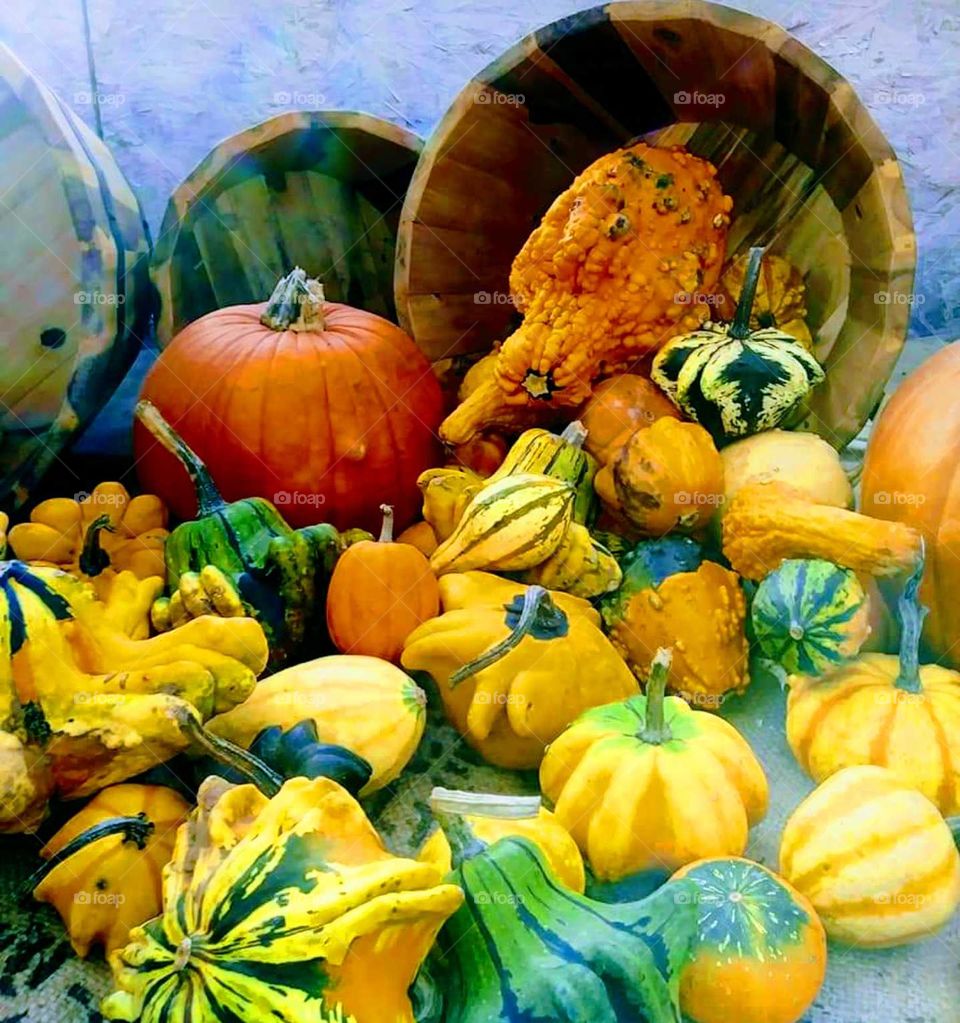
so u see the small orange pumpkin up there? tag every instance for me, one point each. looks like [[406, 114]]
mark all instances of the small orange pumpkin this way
[[483, 453], [666, 477], [421, 536], [618, 406], [380, 591]]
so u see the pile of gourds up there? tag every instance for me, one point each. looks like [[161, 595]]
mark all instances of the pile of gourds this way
[[581, 601]]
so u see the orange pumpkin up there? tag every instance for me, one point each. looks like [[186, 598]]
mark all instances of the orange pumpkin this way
[[380, 591], [911, 474], [483, 453], [668, 476], [618, 406], [313, 405], [421, 536]]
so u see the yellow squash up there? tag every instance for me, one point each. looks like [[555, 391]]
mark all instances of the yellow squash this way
[[492, 817], [513, 674], [446, 493], [288, 909], [883, 709], [580, 566], [874, 857], [511, 524], [460, 590], [112, 884], [363, 703], [650, 783]]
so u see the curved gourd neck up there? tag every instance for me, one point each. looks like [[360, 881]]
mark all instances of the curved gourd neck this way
[[208, 496], [911, 614], [93, 558], [655, 729], [296, 304], [532, 613], [740, 327], [451, 807]]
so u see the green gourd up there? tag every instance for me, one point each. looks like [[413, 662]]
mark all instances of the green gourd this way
[[809, 615], [524, 948], [280, 573]]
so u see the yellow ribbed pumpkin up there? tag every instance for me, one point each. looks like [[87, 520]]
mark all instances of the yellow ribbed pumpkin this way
[[874, 857], [363, 703]]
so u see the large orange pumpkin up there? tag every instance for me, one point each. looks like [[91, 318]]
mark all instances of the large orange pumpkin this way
[[319, 407], [912, 474]]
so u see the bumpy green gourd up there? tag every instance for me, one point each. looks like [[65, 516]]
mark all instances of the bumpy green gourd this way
[[524, 948], [280, 573]]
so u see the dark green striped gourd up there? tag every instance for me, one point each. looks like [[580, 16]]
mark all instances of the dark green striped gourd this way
[[280, 573], [810, 615], [74, 286], [732, 380], [561, 456], [524, 949]]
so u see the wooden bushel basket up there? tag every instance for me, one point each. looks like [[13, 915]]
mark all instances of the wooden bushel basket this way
[[810, 174]]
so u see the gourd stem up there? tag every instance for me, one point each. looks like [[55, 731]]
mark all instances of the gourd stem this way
[[296, 304], [740, 328], [134, 829], [386, 530], [208, 497], [538, 610], [231, 755], [911, 613], [574, 433], [93, 558], [655, 729], [484, 804]]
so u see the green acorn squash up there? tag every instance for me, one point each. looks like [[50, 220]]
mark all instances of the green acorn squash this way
[[523, 947], [284, 909], [731, 379], [280, 573], [810, 615]]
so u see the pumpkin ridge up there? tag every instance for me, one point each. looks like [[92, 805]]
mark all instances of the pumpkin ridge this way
[[817, 718], [947, 787], [879, 747]]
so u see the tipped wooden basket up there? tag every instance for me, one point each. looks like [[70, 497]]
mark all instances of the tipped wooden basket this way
[[321, 190], [810, 174]]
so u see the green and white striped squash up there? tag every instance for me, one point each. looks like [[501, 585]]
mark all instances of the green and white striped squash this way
[[732, 380], [810, 615], [760, 954], [523, 947], [74, 285]]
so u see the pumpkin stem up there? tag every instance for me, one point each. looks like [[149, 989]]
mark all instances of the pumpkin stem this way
[[134, 829], [740, 327], [230, 755], [533, 613], [296, 304], [208, 497], [386, 530], [655, 729], [911, 613], [574, 433], [484, 804], [93, 558]]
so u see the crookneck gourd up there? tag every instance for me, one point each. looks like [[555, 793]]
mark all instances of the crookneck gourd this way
[[281, 574], [648, 782], [766, 523], [96, 536], [672, 597], [809, 615], [780, 299], [760, 954], [106, 880], [83, 704], [733, 379], [874, 857], [884, 709], [512, 676], [523, 946], [362, 703], [597, 281], [288, 908], [491, 817]]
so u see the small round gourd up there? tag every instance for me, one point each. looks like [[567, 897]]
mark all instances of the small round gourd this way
[[874, 857], [760, 954], [810, 615]]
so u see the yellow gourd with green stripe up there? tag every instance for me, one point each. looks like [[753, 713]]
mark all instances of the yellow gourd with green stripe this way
[[282, 908]]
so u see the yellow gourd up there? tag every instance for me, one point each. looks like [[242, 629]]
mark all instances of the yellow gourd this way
[[446, 492]]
